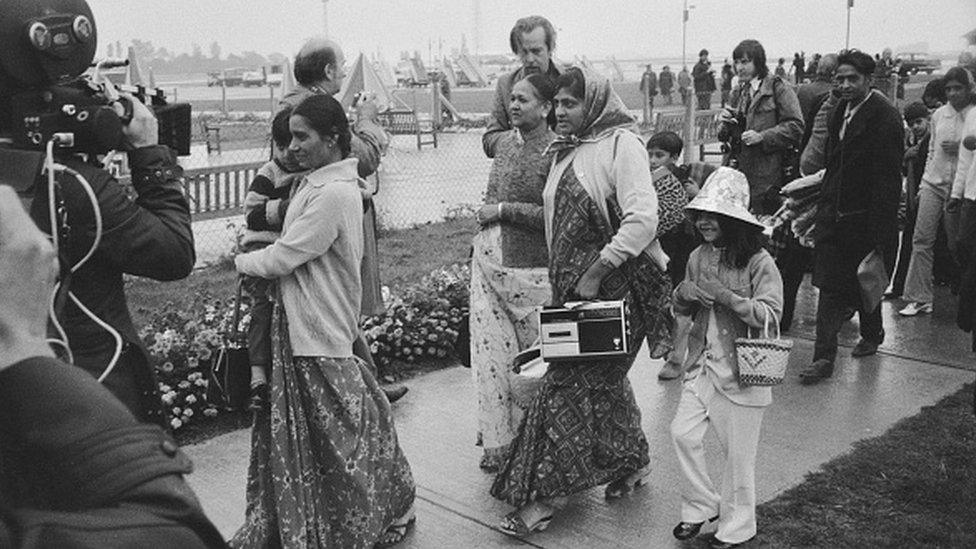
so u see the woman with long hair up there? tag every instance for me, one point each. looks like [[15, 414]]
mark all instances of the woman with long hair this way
[[946, 129], [509, 280], [731, 284], [583, 427], [326, 468]]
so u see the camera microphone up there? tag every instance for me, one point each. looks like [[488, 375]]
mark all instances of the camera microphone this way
[[110, 63]]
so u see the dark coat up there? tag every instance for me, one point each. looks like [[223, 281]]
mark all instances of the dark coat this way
[[79, 471], [858, 207], [148, 235]]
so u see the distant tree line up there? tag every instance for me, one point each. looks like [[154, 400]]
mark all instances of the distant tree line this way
[[163, 61]]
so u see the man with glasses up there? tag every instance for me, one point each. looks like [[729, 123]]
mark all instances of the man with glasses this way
[[320, 68]]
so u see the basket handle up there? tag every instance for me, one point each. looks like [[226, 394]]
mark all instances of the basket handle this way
[[768, 314]]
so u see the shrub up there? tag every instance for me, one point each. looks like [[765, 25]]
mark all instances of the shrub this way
[[423, 322], [420, 324], [182, 345]]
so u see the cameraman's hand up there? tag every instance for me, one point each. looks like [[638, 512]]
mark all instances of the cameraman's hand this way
[[143, 129], [28, 268]]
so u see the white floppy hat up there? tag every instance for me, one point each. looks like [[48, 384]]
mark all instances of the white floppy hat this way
[[726, 192]]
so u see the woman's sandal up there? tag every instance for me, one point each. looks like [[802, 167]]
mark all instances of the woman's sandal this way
[[514, 525], [626, 484], [688, 530], [396, 532]]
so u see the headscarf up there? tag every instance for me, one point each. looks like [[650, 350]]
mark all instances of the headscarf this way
[[604, 113]]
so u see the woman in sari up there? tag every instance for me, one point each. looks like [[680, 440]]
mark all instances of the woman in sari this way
[[583, 427], [326, 468], [509, 279]]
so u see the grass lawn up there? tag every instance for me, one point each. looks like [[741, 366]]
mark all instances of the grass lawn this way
[[914, 486], [406, 255]]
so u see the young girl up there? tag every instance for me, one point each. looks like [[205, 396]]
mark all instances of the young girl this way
[[731, 284]]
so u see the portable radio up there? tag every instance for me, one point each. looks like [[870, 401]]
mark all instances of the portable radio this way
[[584, 330]]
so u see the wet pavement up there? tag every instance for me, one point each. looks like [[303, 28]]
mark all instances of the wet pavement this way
[[922, 360]]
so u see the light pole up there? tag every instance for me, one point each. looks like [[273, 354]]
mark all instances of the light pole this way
[[325, 18], [847, 41], [684, 32]]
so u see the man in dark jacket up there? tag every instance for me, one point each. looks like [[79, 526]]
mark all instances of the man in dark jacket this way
[[148, 235], [858, 209], [78, 469], [704, 78]]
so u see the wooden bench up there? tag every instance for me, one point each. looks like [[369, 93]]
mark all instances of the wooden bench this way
[[405, 122], [706, 126]]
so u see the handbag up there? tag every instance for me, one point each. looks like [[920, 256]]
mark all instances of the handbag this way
[[762, 361], [229, 376], [528, 369]]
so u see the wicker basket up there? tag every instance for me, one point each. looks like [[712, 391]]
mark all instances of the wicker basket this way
[[762, 361], [528, 370]]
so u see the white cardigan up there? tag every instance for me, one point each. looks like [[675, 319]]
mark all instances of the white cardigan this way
[[624, 173], [964, 184], [317, 260]]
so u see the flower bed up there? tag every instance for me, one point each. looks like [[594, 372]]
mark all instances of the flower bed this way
[[421, 322]]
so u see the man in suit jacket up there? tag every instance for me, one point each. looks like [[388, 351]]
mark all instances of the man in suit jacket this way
[[532, 39], [76, 468], [858, 209]]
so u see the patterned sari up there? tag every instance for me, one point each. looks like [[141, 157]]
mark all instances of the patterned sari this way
[[504, 321], [583, 428], [326, 467]]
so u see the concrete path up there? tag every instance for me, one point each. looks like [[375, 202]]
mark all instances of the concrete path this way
[[805, 427]]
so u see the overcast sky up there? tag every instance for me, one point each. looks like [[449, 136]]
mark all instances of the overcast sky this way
[[595, 28]]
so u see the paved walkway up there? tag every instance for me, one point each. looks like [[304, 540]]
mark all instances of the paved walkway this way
[[805, 427]]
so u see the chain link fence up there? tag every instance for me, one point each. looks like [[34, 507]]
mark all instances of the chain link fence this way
[[415, 184]]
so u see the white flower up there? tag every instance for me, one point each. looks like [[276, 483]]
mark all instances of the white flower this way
[[175, 423], [190, 399]]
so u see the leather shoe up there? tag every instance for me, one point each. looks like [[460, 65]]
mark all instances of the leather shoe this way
[[394, 394], [688, 530], [716, 543], [820, 369], [865, 348]]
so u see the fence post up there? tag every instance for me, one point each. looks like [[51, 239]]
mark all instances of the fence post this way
[[689, 133], [223, 92], [648, 108], [272, 102], [435, 107]]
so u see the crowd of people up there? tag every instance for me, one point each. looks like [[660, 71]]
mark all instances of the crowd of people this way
[[578, 207], [732, 258]]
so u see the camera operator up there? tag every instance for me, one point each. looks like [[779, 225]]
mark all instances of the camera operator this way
[[78, 470], [148, 235]]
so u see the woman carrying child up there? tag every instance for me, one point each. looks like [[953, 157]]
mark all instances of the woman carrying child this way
[[732, 284]]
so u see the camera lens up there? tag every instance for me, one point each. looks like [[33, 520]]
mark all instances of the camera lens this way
[[82, 28], [40, 36]]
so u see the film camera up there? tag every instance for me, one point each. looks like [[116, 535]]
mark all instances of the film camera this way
[[46, 46], [732, 145]]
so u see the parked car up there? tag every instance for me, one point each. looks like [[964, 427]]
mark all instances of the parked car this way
[[253, 78], [228, 77], [913, 63]]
